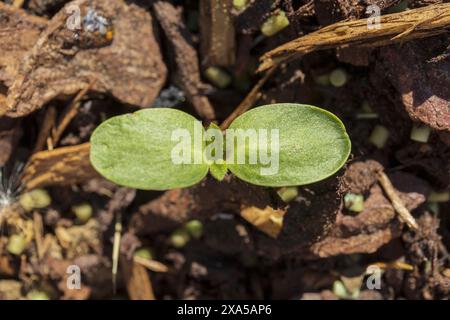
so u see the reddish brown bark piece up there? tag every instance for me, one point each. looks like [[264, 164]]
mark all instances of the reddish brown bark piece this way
[[363, 243], [423, 85], [10, 134], [62, 166], [375, 225], [126, 62], [188, 71]]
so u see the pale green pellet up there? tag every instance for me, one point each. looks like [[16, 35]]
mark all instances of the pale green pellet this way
[[83, 212], [379, 136], [275, 24], [194, 228], [179, 238], [35, 199], [16, 244], [338, 77]]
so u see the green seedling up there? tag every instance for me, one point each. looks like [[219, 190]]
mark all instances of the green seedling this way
[[83, 212], [161, 149], [275, 24], [354, 202], [35, 199], [16, 244]]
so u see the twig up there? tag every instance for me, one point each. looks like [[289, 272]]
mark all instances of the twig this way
[[116, 249], [412, 24], [249, 100], [61, 166], [397, 265], [38, 230], [415, 25], [47, 124], [403, 213], [71, 112]]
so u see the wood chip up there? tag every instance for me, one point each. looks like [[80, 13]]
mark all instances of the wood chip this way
[[46, 127], [38, 226], [411, 24], [397, 265], [71, 112], [137, 280], [268, 220], [218, 43], [186, 58], [128, 64], [61, 166]]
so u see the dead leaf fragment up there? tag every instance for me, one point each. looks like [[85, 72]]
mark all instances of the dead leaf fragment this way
[[268, 220], [137, 280]]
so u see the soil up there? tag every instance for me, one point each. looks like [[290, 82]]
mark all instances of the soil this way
[[58, 84]]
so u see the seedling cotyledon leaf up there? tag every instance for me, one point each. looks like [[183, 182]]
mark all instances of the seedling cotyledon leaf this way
[[274, 145], [135, 150], [313, 144]]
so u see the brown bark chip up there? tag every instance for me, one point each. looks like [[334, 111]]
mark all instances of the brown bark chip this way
[[217, 33], [62, 166], [124, 57], [186, 58]]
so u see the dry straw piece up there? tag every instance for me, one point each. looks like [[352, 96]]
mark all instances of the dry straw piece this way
[[412, 24]]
